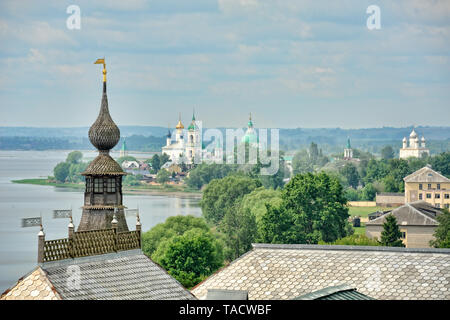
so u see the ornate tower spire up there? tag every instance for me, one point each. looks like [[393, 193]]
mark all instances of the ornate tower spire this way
[[103, 194]]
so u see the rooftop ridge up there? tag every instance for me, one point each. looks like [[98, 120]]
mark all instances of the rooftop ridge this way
[[348, 248]]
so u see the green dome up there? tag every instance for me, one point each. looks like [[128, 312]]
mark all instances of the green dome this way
[[250, 138]]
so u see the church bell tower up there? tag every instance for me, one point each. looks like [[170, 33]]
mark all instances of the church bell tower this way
[[103, 193]]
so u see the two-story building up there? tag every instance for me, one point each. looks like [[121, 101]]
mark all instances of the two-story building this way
[[428, 185]]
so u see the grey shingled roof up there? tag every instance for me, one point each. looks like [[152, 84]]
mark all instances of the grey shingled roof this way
[[419, 213], [128, 275], [283, 272], [217, 294]]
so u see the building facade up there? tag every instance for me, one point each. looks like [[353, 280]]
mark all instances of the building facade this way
[[416, 221], [414, 149], [428, 185], [348, 151]]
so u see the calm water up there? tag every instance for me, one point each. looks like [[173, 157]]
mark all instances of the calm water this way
[[18, 246]]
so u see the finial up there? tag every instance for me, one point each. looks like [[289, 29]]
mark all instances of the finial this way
[[41, 231], [250, 116], [138, 219], [102, 61], [71, 222]]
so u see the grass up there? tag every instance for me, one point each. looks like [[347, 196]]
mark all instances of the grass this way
[[360, 230], [162, 188], [46, 182], [364, 211]]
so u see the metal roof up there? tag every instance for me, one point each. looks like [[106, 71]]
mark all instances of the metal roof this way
[[341, 292]]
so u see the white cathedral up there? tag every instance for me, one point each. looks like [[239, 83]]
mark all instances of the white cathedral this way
[[187, 145], [414, 149]]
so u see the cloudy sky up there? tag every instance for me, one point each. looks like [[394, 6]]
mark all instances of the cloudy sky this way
[[299, 63]]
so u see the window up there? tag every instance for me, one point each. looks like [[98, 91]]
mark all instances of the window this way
[[98, 185], [88, 185], [447, 205], [403, 232], [420, 196], [111, 185], [447, 196], [428, 195], [429, 186], [420, 186], [437, 196], [438, 186]]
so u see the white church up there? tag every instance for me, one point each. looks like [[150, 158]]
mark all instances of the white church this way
[[187, 145], [414, 149]]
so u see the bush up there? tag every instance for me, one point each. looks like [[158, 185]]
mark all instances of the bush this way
[[354, 240]]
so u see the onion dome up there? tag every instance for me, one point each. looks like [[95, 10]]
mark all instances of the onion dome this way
[[250, 136], [423, 138], [348, 143], [179, 124], [413, 134], [404, 139], [104, 133]]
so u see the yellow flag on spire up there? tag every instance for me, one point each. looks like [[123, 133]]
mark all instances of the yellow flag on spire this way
[[100, 61]]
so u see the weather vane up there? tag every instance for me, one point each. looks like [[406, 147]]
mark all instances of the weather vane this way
[[102, 61]]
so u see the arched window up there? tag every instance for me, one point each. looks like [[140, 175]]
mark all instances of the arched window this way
[[191, 137]]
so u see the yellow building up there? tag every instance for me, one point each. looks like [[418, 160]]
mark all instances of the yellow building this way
[[428, 185]]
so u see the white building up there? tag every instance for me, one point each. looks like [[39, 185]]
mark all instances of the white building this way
[[414, 149], [187, 145]]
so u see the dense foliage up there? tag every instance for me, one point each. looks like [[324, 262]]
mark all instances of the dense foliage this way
[[442, 232], [185, 247], [71, 169], [313, 208], [354, 240]]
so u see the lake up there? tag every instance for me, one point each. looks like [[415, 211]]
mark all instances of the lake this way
[[18, 246]]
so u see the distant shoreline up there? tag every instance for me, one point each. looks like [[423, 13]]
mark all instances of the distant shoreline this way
[[167, 190]]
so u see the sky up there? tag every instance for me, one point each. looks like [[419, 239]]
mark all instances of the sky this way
[[290, 63]]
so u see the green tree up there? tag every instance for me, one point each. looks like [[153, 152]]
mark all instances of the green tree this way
[[390, 184], [256, 202], [387, 152], [442, 232], [156, 163], [163, 159], [173, 226], [130, 180], [163, 176], [354, 240], [391, 235], [191, 257], [221, 194], [61, 171], [301, 163], [350, 173], [240, 230], [441, 163], [368, 193], [204, 173], [74, 157], [313, 208]]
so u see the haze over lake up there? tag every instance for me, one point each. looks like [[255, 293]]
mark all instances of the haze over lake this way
[[18, 246]]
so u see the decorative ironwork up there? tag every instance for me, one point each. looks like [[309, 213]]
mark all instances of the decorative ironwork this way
[[89, 243], [61, 214], [31, 222]]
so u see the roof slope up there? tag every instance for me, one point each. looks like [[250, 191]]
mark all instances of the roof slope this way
[[34, 286], [282, 272], [128, 275], [342, 292], [418, 213], [426, 174]]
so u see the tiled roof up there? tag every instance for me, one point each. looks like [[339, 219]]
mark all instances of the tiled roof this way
[[103, 164], [418, 213], [282, 272], [426, 174], [34, 286], [128, 275], [342, 292]]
